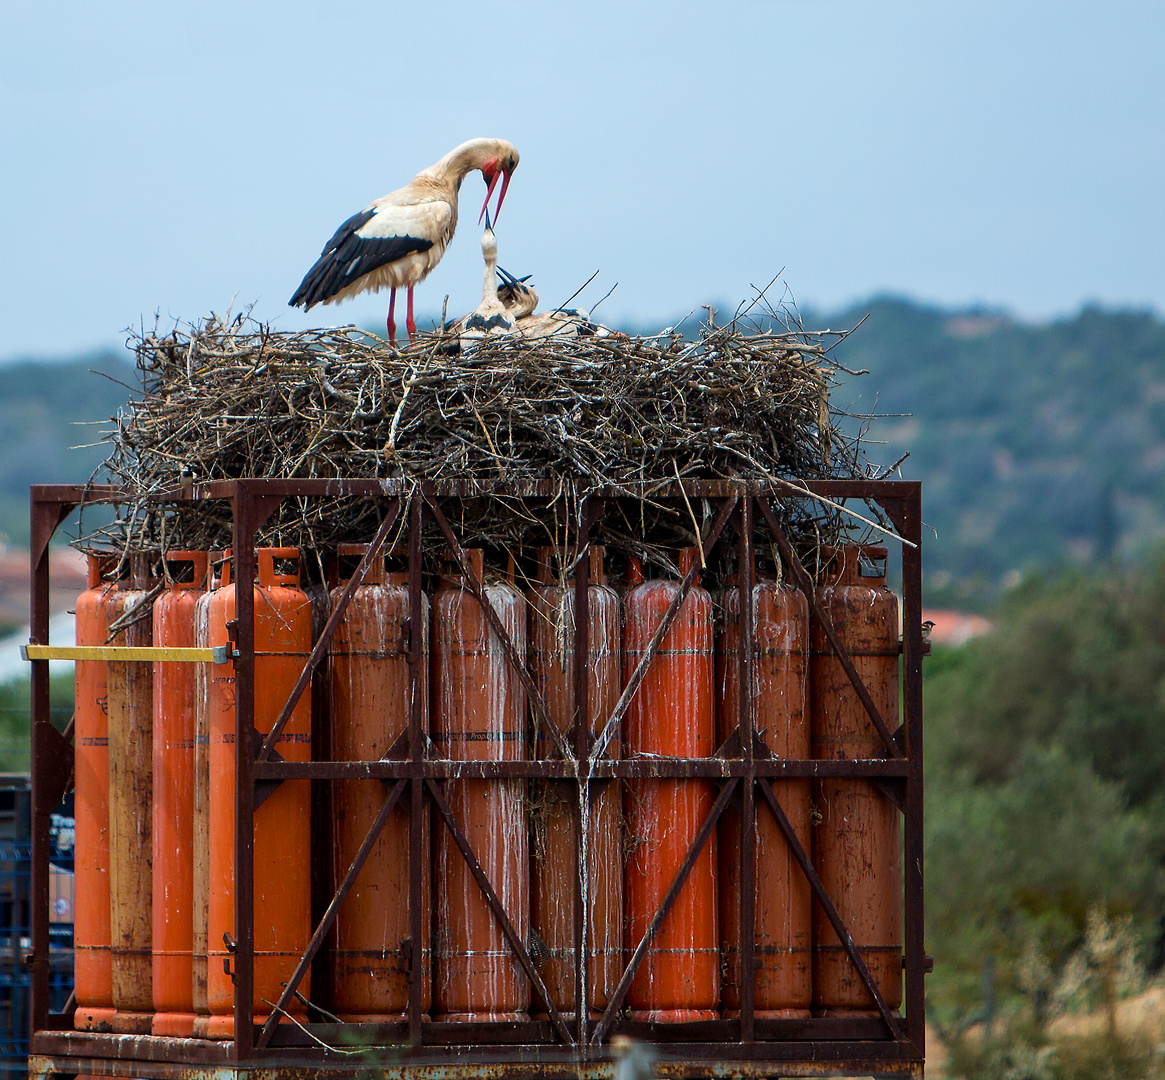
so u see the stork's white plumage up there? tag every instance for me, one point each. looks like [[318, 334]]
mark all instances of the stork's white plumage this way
[[397, 240], [491, 316]]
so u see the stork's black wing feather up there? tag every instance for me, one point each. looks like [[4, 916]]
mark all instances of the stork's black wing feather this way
[[347, 257]]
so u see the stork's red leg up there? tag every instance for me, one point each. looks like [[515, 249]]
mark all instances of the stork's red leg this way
[[409, 322], [391, 321]]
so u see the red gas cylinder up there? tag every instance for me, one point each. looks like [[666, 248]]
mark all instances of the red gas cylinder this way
[[780, 715], [211, 682], [131, 814], [671, 715], [554, 866], [282, 825], [173, 885], [92, 965], [370, 666], [479, 714], [856, 845]]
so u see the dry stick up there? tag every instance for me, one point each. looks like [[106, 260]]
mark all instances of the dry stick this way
[[695, 526]]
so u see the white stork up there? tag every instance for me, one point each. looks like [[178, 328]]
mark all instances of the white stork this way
[[395, 241]]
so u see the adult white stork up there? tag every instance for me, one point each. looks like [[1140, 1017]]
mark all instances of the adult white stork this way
[[397, 240]]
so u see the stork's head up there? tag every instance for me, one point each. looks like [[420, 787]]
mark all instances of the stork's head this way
[[519, 298], [489, 242], [499, 165]]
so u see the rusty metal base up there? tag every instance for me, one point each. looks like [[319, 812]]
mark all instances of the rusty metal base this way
[[66, 1054]]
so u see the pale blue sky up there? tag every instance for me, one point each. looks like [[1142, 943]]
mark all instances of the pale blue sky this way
[[173, 156]]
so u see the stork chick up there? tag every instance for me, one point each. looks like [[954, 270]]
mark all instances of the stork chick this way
[[491, 316], [396, 241], [521, 301]]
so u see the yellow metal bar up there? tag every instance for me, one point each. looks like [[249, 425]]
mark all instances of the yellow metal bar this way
[[218, 655]]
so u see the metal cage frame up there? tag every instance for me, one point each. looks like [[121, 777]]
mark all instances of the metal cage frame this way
[[564, 1045]]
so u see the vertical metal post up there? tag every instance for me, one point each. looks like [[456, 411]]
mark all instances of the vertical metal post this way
[[418, 911], [582, 720], [245, 525], [912, 703], [746, 575], [44, 520]]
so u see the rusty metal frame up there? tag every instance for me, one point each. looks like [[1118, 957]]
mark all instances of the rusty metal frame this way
[[889, 1045]]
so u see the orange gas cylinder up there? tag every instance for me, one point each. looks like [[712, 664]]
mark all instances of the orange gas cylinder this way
[[131, 811], [282, 825], [856, 845], [479, 714], [780, 716], [671, 715], [554, 867], [215, 681], [173, 885], [369, 660], [93, 972]]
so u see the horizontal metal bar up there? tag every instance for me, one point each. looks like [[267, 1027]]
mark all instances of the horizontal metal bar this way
[[394, 486], [220, 654], [632, 769], [461, 1055]]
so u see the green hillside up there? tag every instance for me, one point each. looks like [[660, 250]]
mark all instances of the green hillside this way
[[46, 410], [1039, 446]]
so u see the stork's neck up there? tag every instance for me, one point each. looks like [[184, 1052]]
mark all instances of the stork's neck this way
[[489, 249], [456, 165]]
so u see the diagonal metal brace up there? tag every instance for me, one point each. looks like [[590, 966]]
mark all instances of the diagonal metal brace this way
[[669, 617], [701, 838], [329, 630], [806, 585], [823, 898], [329, 917], [507, 927], [533, 694]]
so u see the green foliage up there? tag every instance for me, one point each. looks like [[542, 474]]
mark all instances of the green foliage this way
[[14, 713], [1044, 767], [1022, 1054]]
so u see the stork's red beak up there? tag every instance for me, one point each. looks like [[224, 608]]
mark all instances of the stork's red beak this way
[[492, 180]]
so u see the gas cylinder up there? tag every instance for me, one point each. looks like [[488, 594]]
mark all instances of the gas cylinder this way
[[554, 871], [217, 681], [369, 677], [479, 714], [173, 884], [315, 582], [671, 715], [131, 814], [856, 845], [93, 973], [282, 825], [780, 716]]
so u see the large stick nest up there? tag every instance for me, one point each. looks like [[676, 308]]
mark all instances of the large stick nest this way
[[231, 399]]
